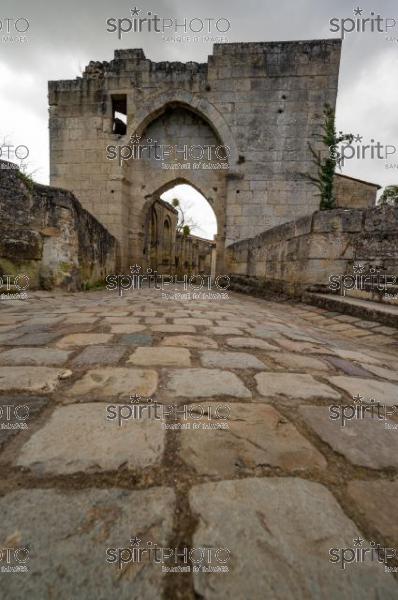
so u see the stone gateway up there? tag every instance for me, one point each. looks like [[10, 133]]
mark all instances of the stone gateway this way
[[236, 128]]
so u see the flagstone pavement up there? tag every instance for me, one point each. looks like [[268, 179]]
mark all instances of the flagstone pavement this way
[[195, 449]]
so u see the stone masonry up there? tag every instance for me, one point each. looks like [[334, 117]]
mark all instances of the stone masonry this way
[[354, 193], [308, 251], [248, 460], [263, 101], [47, 236]]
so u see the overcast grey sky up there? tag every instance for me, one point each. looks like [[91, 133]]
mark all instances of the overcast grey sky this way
[[63, 36]]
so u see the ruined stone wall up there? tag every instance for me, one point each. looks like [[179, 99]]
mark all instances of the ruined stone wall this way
[[47, 235], [193, 254], [262, 100], [307, 251], [169, 251], [161, 228], [354, 193]]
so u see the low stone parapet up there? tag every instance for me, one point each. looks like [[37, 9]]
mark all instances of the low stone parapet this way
[[310, 251], [47, 237]]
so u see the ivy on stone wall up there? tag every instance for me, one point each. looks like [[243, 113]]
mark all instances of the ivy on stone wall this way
[[327, 161]]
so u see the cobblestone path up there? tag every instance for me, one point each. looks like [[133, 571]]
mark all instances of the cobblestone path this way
[[137, 431]]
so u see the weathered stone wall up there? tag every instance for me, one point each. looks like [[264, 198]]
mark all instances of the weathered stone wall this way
[[160, 236], [308, 251], [47, 235], [354, 193], [262, 100], [193, 254], [170, 251]]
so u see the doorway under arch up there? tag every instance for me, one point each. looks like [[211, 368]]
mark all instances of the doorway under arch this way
[[181, 232], [147, 179]]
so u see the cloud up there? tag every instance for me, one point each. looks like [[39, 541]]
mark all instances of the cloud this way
[[64, 36], [196, 208]]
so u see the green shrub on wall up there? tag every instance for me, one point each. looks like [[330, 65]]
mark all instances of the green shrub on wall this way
[[326, 162]]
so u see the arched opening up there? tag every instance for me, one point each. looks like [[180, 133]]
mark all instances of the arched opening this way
[[178, 146], [180, 231], [194, 210], [196, 230]]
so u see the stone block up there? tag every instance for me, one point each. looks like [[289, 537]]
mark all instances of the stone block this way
[[284, 521], [79, 438], [80, 526]]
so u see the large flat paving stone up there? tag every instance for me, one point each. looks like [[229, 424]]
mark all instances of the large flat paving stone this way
[[166, 357], [115, 382], [279, 533], [17, 414], [348, 367], [257, 436], [135, 339], [391, 373], [383, 392], [250, 342], [205, 383], [303, 347], [230, 360], [122, 320], [294, 386], [189, 341], [80, 318], [78, 437], [377, 501], [31, 339], [167, 328], [68, 534], [224, 330], [84, 339], [43, 380], [98, 355], [44, 320], [364, 442], [298, 362], [195, 322], [127, 328], [356, 356], [34, 356]]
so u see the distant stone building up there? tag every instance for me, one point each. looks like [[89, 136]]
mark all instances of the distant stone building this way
[[194, 255], [354, 193], [236, 128], [171, 252]]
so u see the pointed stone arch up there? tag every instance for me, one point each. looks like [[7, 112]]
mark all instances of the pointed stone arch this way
[[156, 105]]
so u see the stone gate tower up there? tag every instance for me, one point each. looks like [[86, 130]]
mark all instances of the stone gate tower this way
[[263, 101]]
